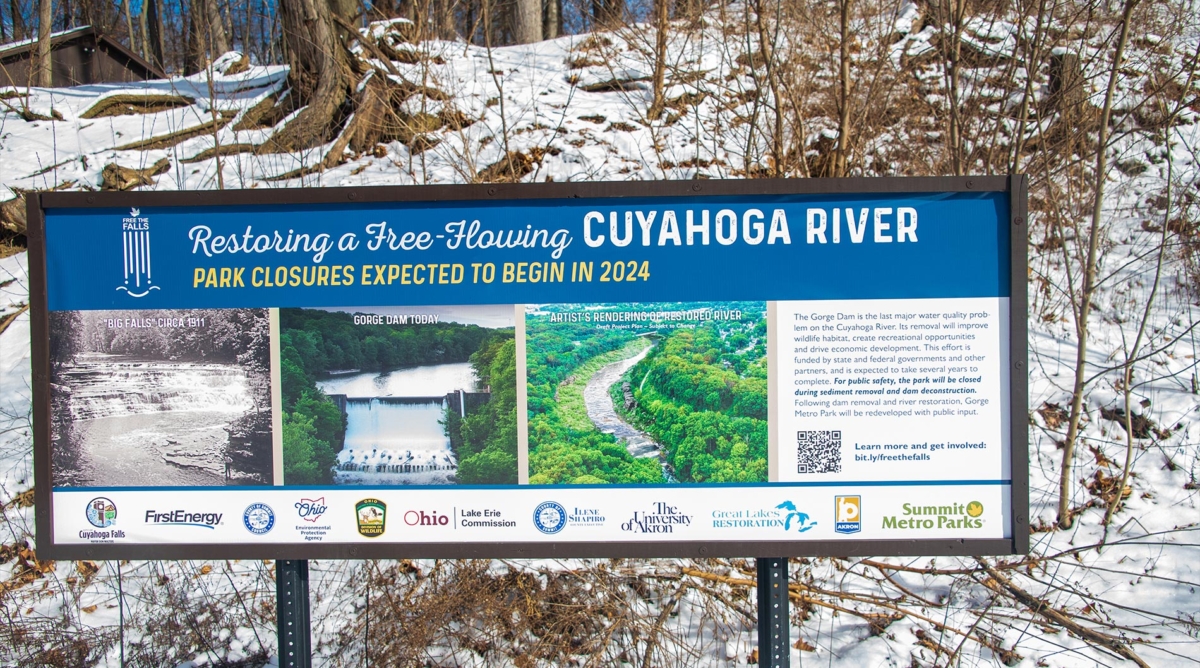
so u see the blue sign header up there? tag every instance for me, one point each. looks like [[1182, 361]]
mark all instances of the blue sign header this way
[[769, 247]]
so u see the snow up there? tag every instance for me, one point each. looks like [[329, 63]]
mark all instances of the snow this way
[[1140, 575]]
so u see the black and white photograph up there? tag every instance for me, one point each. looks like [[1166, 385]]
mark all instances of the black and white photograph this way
[[161, 398]]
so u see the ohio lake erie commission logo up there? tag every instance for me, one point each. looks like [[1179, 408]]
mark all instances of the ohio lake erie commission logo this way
[[372, 517], [135, 240], [550, 517], [258, 518], [101, 513]]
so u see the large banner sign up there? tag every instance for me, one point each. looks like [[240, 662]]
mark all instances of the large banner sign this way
[[755, 368]]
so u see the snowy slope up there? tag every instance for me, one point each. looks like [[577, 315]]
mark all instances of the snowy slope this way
[[576, 107]]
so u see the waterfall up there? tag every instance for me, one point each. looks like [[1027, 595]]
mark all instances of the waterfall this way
[[396, 423], [106, 388]]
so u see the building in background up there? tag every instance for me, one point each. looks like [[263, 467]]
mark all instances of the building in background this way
[[79, 56]]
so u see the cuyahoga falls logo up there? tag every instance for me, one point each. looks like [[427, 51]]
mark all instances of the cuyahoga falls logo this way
[[135, 244], [372, 517], [948, 516]]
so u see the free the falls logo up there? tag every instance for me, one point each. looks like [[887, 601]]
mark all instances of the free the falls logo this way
[[135, 240]]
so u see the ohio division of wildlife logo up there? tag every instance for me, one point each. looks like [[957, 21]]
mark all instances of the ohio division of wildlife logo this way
[[135, 240], [372, 517], [101, 512]]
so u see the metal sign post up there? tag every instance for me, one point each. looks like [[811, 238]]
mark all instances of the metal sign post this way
[[291, 600], [774, 646]]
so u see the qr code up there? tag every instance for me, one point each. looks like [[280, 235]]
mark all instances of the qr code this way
[[819, 451]]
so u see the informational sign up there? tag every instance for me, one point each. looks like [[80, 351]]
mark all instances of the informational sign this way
[[754, 368]]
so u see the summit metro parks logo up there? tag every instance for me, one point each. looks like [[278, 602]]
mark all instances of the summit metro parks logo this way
[[944, 516], [135, 244]]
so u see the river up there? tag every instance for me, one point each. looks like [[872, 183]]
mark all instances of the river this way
[[604, 415], [148, 422], [394, 434]]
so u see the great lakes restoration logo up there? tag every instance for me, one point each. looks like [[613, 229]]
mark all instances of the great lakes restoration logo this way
[[847, 514], [258, 518], [135, 243], [101, 512], [783, 516], [946, 516], [372, 517]]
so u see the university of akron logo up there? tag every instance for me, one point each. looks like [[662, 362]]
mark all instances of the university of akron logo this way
[[136, 244]]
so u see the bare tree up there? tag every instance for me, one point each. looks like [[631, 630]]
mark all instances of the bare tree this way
[[44, 66], [320, 77], [527, 21], [1088, 290], [843, 93], [152, 33], [18, 22]]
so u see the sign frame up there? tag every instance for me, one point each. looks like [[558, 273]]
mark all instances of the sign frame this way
[[1016, 186]]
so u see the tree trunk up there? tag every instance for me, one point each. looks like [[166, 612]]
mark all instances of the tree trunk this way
[[44, 66], [18, 22], [218, 41], [527, 21], [607, 13], [1065, 517], [552, 21], [127, 4], [154, 36], [662, 24], [3, 34], [193, 56], [444, 19], [839, 158], [320, 76]]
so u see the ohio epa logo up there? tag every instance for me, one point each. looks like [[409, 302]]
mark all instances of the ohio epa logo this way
[[101, 512], [550, 517], [258, 518], [847, 514], [135, 245], [310, 510]]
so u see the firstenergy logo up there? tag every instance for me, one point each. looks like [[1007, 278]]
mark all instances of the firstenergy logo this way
[[183, 518]]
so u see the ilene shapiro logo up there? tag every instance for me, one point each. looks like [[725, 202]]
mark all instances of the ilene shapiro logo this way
[[135, 242]]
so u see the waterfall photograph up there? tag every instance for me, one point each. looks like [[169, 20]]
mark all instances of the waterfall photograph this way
[[161, 398], [420, 395]]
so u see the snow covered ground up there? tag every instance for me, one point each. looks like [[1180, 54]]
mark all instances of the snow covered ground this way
[[576, 108]]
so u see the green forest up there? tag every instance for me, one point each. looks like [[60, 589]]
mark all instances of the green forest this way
[[313, 343], [700, 393]]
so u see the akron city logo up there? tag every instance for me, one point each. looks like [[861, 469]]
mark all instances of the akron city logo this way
[[135, 230]]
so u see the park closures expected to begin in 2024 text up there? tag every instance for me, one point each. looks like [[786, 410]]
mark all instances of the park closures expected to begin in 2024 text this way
[[793, 367]]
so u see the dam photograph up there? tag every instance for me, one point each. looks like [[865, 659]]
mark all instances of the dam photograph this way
[[416, 395]]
